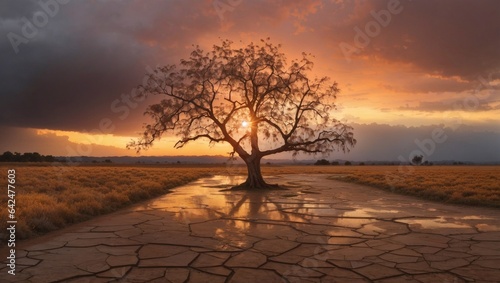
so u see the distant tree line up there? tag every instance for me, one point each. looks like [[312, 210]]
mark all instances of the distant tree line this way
[[326, 162], [26, 157], [416, 160]]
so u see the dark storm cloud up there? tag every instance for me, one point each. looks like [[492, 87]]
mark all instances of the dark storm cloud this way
[[87, 55], [91, 52], [17, 9], [67, 73], [448, 37]]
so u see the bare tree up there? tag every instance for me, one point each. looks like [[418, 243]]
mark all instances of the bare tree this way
[[250, 98]]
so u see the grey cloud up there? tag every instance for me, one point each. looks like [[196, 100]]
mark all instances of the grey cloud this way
[[67, 76], [383, 142], [455, 105], [448, 38], [91, 52], [27, 140], [18, 9], [427, 84]]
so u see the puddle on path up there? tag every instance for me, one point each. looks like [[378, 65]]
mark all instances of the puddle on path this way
[[437, 223], [445, 225], [487, 227], [239, 212], [370, 212], [204, 200]]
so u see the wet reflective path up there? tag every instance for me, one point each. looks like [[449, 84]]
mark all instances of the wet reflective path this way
[[320, 230]]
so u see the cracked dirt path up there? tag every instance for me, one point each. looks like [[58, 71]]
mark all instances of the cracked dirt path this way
[[321, 230]]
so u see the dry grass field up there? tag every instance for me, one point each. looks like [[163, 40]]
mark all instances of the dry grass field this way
[[48, 198], [474, 185]]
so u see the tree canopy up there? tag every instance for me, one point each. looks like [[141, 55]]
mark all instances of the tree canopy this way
[[249, 97], [417, 159]]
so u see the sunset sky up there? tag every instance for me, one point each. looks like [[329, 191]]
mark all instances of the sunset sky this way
[[415, 76]]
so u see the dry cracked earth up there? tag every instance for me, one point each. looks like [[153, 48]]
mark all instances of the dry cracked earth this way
[[320, 230]]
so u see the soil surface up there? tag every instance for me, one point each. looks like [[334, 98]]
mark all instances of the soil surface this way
[[319, 230]]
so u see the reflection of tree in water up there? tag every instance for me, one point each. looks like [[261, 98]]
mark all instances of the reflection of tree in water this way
[[268, 206], [238, 206], [248, 216], [249, 207], [241, 217]]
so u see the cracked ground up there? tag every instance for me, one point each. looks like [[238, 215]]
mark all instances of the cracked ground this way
[[319, 230]]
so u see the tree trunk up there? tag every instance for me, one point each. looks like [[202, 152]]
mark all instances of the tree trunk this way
[[254, 181]]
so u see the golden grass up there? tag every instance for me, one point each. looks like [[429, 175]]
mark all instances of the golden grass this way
[[475, 185], [49, 198]]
